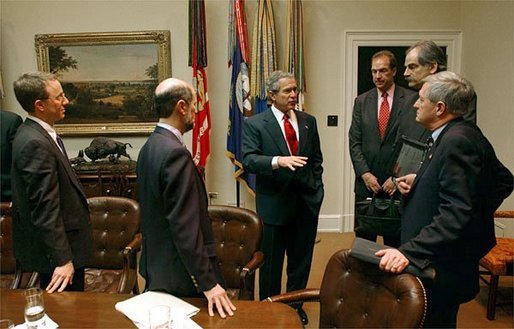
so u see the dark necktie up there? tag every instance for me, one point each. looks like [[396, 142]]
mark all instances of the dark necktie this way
[[383, 115], [292, 141], [61, 145]]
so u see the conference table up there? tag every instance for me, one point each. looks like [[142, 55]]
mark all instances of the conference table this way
[[96, 310]]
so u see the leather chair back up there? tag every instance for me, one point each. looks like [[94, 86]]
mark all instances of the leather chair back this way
[[238, 235], [11, 275], [355, 294], [115, 222]]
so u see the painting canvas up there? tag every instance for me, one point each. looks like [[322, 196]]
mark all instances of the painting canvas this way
[[109, 82]]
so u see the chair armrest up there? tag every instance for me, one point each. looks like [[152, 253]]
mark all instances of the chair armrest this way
[[130, 263], [295, 297], [134, 245], [253, 264]]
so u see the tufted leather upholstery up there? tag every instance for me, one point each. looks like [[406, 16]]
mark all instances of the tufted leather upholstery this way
[[238, 234], [355, 294], [113, 267], [11, 273], [498, 261]]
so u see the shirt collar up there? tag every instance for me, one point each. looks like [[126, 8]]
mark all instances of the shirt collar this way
[[49, 129], [437, 132], [174, 130]]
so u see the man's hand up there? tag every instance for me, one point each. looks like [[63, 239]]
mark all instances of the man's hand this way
[[292, 162], [61, 277], [371, 182], [392, 260], [404, 183], [218, 296], [389, 186]]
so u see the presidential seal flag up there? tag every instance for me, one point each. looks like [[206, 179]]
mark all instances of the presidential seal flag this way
[[239, 103], [198, 61]]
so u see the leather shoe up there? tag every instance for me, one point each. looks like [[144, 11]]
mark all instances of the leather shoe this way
[[302, 315]]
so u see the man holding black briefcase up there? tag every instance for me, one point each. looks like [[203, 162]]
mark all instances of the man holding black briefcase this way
[[372, 134]]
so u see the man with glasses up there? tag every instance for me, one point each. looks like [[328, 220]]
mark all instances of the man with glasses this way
[[51, 228]]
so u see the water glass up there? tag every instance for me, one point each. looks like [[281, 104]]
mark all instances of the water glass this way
[[6, 324], [34, 308], [160, 317]]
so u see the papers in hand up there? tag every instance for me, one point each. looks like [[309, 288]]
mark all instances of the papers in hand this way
[[365, 250], [137, 307]]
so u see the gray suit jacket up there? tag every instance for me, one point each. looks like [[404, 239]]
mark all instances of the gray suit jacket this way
[[51, 224], [279, 190]]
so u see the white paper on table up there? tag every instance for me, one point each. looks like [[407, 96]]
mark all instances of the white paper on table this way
[[137, 308]]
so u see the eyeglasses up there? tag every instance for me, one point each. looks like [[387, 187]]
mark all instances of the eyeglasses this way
[[60, 98]]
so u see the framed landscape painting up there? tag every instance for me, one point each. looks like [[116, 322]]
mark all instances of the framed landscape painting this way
[[108, 77]]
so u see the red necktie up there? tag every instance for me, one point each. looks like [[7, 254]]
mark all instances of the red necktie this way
[[292, 141], [383, 115]]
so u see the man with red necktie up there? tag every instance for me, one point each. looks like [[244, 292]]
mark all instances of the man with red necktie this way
[[281, 146], [372, 135]]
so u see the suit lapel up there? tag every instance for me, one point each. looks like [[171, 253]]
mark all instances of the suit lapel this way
[[430, 153], [303, 131], [65, 162], [271, 125]]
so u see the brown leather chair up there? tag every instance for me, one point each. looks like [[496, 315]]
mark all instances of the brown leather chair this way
[[498, 261], [238, 235], [355, 294], [11, 274], [117, 240]]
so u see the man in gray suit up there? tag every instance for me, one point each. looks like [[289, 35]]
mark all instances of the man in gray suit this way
[[281, 146], [179, 253], [375, 119], [51, 228]]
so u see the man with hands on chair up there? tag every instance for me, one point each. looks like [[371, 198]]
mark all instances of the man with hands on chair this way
[[447, 222]]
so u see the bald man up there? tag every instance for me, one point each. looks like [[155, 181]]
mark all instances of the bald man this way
[[179, 254]]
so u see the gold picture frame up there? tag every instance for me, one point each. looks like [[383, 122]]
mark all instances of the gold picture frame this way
[[108, 77]]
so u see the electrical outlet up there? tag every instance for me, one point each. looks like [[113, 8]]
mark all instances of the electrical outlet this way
[[213, 195], [332, 121]]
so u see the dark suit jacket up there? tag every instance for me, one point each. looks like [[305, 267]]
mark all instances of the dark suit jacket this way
[[51, 224], [367, 151], [179, 254], [448, 217], [9, 123], [277, 191]]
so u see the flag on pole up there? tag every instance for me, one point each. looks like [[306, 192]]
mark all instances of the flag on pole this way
[[198, 61], [294, 62], [264, 56], [239, 103]]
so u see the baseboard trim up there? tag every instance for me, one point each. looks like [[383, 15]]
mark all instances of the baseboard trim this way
[[335, 223]]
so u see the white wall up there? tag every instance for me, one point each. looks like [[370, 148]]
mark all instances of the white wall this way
[[487, 61]]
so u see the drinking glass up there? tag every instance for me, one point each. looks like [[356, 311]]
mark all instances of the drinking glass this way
[[34, 308], [160, 317]]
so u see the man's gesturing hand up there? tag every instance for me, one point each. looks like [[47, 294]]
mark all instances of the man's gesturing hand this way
[[292, 162]]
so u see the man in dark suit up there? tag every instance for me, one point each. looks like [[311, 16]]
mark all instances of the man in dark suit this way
[[51, 228], [179, 253], [372, 134], [9, 123], [281, 146], [448, 219], [423, 59]]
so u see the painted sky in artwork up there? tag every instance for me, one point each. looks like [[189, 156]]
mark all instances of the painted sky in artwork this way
[[110, 62]]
